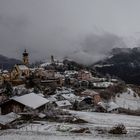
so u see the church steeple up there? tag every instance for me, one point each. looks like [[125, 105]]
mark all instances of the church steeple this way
[[25, 58]]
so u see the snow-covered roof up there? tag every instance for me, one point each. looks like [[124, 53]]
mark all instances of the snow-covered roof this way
[[86, 72], [68, 72], [41, 115], [96, 79], [114, 80], [23, 67], [45, 64], [64, 91], [5, 75], [63, 103], [57, 62], [31, 100], [19, 86], [69, 97], [8, 118], [102, 84], [5, 71], [59, 75], [52, 99], [33, 69], [41, 94], [100, 66], [60, 63], [89, 92], [112, 106]]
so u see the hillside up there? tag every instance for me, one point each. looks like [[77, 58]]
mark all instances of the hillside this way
[[7, 63], [123, 63], [128, 100]]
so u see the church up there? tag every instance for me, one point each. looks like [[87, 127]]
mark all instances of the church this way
[[21, 71]]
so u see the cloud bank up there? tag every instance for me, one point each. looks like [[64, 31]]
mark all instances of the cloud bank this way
[[81, 30]]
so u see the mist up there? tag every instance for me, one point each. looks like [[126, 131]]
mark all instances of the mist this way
[[84, 31]]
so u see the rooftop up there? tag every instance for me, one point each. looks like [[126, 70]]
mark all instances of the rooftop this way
[[63, 103], [89, 92], [8, 118], [31, 100], [23, 67]]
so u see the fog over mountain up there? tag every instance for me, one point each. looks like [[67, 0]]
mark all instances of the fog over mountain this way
[[81, 30]]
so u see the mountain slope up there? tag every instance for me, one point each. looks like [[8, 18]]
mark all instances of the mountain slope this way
[[123, 63], [7, 63]]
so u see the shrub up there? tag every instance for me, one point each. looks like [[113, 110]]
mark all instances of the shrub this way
[[118, 129]]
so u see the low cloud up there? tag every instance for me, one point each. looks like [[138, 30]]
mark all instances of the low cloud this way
[[62, 29], [95, 47]]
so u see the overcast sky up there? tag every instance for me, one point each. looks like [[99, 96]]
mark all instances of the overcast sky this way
[[80, 29]]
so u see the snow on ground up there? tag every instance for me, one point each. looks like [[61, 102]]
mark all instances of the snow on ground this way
[[53, 137], [107, 120], [51, 130], [128, 100]]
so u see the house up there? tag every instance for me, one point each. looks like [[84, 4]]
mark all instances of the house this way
[[19, 71], [20, 90], [71, 73], [50, 74], [86, 100], [44, 74], [109, 107], [84, 83], [5, 75], [97, 79], [70, 97], [51, 82], [51, 103], [64, 104], [60, 77], [29, 102], [112, 107], [64, 90], [38, 72], [84, 75], [91, 93], [83, 103], [6, 120]]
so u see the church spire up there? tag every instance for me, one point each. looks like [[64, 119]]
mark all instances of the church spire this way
[[25, 57]]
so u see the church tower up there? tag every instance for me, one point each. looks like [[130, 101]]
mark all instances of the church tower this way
[[25, 58], [52, 59]]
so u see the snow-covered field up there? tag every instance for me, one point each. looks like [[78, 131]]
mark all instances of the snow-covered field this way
[[128, 100], [51, 130]]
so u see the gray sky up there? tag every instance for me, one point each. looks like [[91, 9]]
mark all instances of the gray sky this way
[[81, 29]]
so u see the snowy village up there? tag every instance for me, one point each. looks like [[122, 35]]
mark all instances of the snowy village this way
[[58, 92], [69, 70]]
